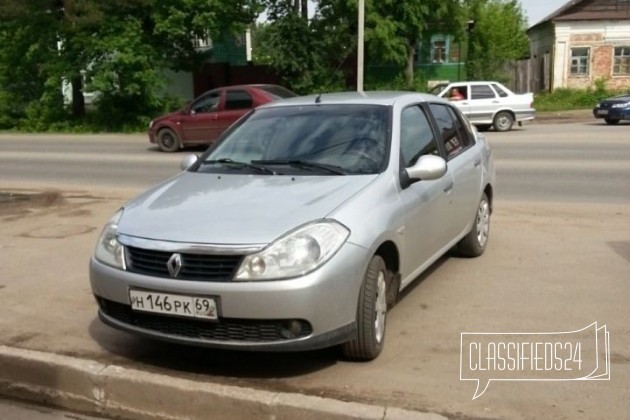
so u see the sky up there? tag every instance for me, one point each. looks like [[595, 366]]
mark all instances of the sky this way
[[536, 10]]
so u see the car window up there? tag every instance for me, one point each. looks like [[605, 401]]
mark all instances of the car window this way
[[238, 99], [278, 92], [207, 103], [502, 93], [481, 92], [453, 134], [416, 136]]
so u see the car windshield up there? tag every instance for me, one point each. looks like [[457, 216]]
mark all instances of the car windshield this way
[[278, 92], [437, 88], [310, 140]]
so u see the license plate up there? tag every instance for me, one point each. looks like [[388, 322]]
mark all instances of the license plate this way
[[602, 112], [172, 304]]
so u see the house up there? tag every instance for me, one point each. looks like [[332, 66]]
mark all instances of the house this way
[[582, 42], [439, 58]]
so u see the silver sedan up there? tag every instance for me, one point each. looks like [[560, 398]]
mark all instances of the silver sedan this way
[[299, 227]]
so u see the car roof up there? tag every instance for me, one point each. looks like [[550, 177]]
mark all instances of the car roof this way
[[476, 82], [368, 98]]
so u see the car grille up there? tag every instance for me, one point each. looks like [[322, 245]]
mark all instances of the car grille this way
[[227, 329], [200, 267]]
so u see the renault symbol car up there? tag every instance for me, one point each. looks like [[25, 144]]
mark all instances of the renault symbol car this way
[[297, 229]]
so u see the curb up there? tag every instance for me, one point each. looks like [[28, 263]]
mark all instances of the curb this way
[[95, 388]]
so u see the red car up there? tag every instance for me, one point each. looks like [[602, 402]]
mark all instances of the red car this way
[[208, 116]]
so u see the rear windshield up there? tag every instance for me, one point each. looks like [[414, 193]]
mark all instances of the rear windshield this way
[[278, 92]]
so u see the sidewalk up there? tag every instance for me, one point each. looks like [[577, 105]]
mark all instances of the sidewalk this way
[[564, 116]]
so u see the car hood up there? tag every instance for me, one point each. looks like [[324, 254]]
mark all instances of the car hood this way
[[169, 116], [616, 99], [235, 209]]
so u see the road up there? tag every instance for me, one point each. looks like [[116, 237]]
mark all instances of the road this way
[[558, 259], [579, 162]]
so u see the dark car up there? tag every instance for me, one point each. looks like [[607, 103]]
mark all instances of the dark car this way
[[203, 120], [614, 109]]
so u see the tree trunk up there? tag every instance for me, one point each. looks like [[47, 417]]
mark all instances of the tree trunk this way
[[411, 54], [78, 101], [305, 9]]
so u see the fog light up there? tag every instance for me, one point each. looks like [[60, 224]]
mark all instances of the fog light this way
[[291, 329]]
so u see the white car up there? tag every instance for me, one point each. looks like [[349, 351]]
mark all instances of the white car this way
[[488, 104]]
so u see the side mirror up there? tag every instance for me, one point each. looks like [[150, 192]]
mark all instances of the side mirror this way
[[427, 168], [188, 161]]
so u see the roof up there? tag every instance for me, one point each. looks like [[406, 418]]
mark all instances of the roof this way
[[589, 10], [371, 97]]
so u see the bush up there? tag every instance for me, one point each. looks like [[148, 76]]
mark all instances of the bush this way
[[567, 99]]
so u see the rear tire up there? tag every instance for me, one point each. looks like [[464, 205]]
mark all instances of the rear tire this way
[[503, 121], [167, 140], [611, 121], [371, 314], [474, 243]]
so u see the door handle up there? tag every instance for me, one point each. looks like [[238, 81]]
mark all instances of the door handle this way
[[448, 188], [477, 163]]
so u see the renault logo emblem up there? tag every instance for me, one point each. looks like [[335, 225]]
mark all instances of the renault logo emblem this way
[[174, 265]]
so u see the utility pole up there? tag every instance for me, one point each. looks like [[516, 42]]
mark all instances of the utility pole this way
[[360, 46]]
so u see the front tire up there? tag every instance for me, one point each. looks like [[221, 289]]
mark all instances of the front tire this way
[[503, 121], [167, 140], [371, 314], [611, 121], [474, 243]]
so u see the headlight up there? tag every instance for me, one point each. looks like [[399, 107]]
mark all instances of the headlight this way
[[108, 250], [621, 105], [599, 104], [297, 253]]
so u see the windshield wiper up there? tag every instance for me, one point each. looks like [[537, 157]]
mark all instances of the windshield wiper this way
[[230, 162], [305, 164]]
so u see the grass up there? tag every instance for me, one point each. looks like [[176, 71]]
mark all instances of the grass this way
[[570, 99]]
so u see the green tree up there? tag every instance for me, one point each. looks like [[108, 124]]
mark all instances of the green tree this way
[[395, 27], [307, 52], [118, 47], [499, 36]]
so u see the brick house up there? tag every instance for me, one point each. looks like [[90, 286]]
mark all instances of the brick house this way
[[584, 41]]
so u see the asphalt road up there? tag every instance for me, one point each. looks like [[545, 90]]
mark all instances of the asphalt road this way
[[558, 260], [587, 161]]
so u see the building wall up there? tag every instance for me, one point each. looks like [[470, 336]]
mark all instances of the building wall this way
[[600, 37], [179, 84], [541, 40]]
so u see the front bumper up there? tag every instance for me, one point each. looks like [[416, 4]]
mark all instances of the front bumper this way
[[612, 113], [251, 314]]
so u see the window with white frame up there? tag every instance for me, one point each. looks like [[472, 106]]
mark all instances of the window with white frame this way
[[438, 49], [579, 61], [621, 61]]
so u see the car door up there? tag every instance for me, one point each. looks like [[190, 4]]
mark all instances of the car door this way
[[237, 103], [200, 124], [464, 166], [482, 104], [423, 202]]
